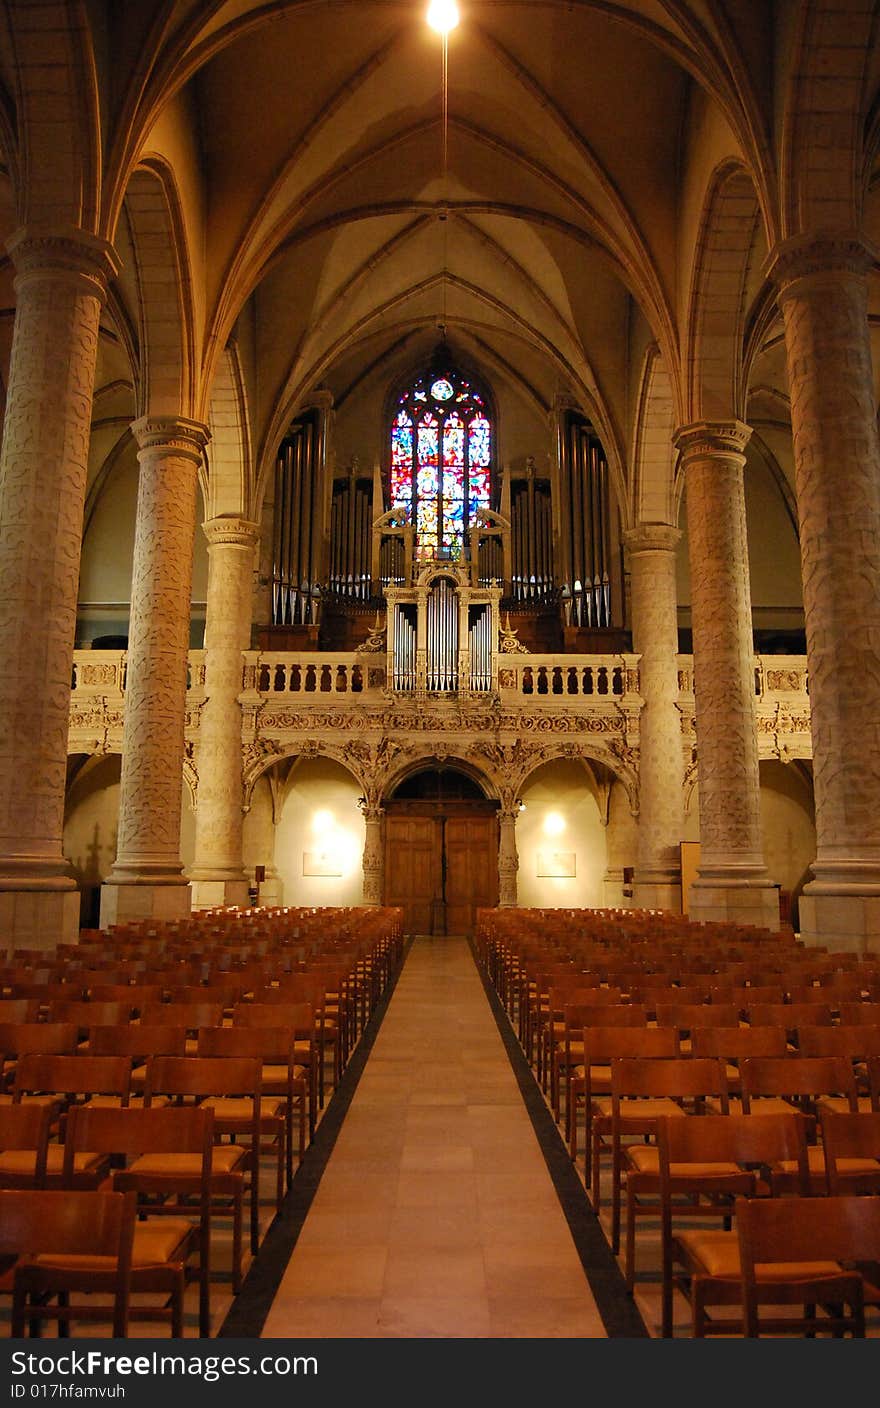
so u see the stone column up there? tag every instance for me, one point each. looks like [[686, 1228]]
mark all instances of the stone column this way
[[61, 283], [651, 556], [508, 859], [374, 854], [823, 296], [732, 882], [146, 881], [218, 876]]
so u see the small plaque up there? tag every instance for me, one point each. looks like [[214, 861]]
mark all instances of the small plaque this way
[[320, 863], [559, 865]]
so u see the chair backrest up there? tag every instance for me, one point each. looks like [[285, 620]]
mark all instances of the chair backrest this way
[[40, 1224], [53, 1038], [856, 1043], [72, 1075], [137, 1040], [770, 993], [685, 1077], [589, 1014], [14, 1010], [201, 1076], [604, 1045], [859, 1014], [789, 1015], [133, 995], [27, 1127], [749, 1140], [803, 1076], [850, 1135], [158, 1129], [733, 1043], [271, 1044], [686, 1016], [298, 1016], [792, 1230], [90, 1014], [190, 1015]]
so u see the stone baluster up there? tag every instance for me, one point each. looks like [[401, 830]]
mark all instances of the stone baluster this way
[[374, 854], [732, 882], [61, 283], [217, 875], [146, 881], [823, 296], [651, 555]]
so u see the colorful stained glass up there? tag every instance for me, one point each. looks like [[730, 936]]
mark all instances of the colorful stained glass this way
[[441, 455], [479, 442]]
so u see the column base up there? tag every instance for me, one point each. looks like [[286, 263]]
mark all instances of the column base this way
[[271, 890], [127, 903], [845, 921], [39, 919], [211, 894], [657, 894], [715, 902]]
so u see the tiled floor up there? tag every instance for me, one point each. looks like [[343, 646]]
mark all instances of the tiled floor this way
[[436, 1216]]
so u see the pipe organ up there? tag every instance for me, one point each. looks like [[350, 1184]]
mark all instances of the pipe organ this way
[[442, 642], [297, 568], [532, 576], [351, 538], [586, 513], [443, 634]]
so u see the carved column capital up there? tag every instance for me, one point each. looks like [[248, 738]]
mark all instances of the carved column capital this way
[[713, 440], [651, 537], [175, 435], [64, 252], [229, 529], [819, 257]]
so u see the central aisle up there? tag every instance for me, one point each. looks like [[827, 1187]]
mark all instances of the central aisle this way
[[435, 1215]]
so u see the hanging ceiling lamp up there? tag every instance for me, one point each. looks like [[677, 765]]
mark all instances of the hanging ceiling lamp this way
[[443, 15]]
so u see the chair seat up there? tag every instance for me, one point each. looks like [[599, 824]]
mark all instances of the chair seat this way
[[225, 1158], [717, 1254], [276, 1076], [240, 1109], [763, 1105], [112, 1102], [635, 1112], [157, 1240], [23, 1161], [645, 1158], [838, 1105]]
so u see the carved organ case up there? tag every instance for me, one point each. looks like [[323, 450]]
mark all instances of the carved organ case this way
[[442, 634], [586, 527]]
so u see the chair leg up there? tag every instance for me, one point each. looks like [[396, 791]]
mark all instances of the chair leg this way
[[630, 1259]]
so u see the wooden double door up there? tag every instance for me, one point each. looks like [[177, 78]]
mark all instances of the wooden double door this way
[[441, 863]]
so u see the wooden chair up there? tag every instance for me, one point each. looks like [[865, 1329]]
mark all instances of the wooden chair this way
[[642, 1089], [299, 1018], [802, 1083], [235, 1167], [703, 1165], [803, 1252], [859, 1014], [284, 1088], [58, 1082], [855, 1043], [163, 1158], [14, 1010], [51, 1038], [133, 995], [686, 1016], [851, 1148], [24, 1129], [734, 1043], [89, 1014], [63, 1243], [138, 1042], [789, 1015]]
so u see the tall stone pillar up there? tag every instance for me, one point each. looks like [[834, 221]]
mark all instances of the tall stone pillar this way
[[732, 882], [651, 554], [146, 881], [508, 859], [218, 876], [61, 283], [823, 295], [374, 855]]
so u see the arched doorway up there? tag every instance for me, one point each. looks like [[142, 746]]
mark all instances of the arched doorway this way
[[441, 851]]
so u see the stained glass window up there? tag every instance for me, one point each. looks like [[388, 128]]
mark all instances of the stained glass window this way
[[441, 461]]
